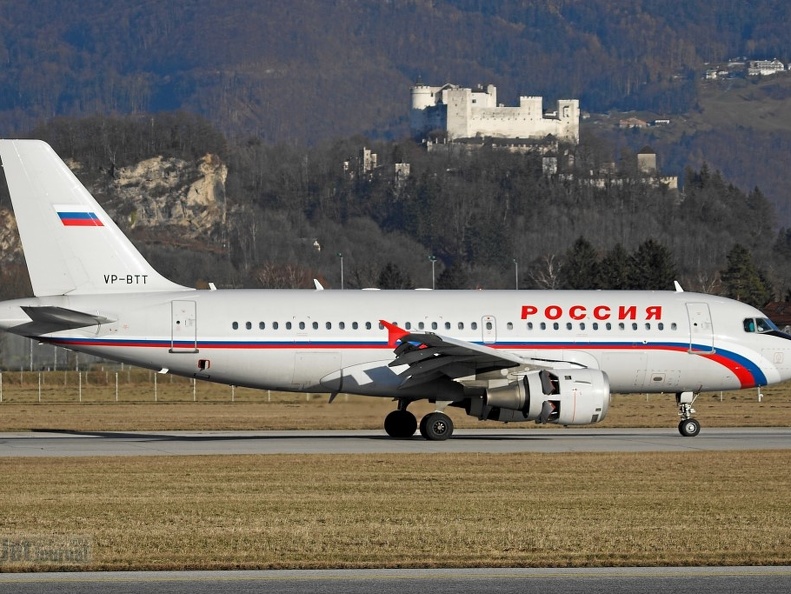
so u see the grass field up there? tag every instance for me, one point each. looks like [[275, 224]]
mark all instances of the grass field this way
[[559, 510], [430, 510]]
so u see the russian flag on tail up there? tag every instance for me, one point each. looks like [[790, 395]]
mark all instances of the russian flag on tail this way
[[77, 216]]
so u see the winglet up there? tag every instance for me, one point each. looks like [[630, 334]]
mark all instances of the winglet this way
[[394, 333]]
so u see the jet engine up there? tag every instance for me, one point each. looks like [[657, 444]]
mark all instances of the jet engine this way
[[562, 396]]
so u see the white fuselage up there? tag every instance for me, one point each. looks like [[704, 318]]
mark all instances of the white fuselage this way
[[333, 341]]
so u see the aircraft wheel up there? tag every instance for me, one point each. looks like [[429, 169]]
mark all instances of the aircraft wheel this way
[[689, 428], [436, 426], [400, 423], [423, 427]]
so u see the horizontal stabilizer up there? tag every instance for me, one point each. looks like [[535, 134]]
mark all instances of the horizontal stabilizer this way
[[47, 319]]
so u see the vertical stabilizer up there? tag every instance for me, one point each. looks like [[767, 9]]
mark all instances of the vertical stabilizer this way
[[71, 245]]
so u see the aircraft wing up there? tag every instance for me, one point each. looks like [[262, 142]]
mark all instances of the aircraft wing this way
[[431, 356]]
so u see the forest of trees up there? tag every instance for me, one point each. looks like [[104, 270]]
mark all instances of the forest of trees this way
[[305, 71], [490, 219]]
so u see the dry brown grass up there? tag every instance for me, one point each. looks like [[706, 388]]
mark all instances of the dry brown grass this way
[[557, 510], [254, 409]]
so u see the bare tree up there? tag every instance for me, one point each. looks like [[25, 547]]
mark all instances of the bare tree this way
[[545, 272]]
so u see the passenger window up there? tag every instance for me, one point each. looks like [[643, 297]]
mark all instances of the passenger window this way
[[608, 326], [569, 325], [368, 326], [673, 326], [474, 326], [661, 326], [647, 326], [530, 325], [555, 325], [510, 325], [421, 326], [261, 326], [288, 325], [235, 325], [328, 325], [342, 325], [634, 325], [543, 325], [461, 325], [248, 325], [315, 325], [408, 326], [355, 326], [488, 325], [447, 325], [275, 326], [302, 325], [595, 325], [582, 325], [621, 326]]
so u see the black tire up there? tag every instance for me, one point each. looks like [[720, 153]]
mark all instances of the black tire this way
[[400, 423], [689, 428], [423, 427], [437, 426]]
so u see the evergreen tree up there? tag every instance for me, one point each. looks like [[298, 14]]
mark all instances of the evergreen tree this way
[[743, 281], [581, 266], [392, 277], [614, 269], [453, 277], [652, 267]]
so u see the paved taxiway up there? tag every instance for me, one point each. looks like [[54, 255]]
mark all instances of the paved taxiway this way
[[192, 443], [653, 580]]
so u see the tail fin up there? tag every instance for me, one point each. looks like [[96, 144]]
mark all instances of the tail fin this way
[[71, 245]]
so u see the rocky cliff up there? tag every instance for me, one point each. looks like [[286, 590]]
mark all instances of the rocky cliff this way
[[163, 200]]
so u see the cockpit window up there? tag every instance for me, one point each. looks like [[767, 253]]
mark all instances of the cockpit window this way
[[759, 325]]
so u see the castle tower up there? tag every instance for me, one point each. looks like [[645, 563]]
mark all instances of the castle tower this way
[[646, 161]]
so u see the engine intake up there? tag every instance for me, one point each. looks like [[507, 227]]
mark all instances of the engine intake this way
[[562, 396]]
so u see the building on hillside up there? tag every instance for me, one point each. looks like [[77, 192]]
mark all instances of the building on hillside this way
[[364, 163], [765, 67], [474, 113], [632, 123]]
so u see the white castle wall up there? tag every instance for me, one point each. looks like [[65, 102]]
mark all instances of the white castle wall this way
[[469, 113]]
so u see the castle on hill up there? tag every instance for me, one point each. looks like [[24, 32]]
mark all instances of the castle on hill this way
[[474, 113]]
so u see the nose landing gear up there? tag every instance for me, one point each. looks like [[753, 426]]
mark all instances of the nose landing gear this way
[[688, 427]]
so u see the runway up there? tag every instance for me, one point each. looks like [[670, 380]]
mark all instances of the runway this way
[[195, 443], [650, 580]]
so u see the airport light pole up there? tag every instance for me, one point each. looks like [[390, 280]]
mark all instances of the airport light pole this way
[[433, 259], [340, 255], [516, 274]]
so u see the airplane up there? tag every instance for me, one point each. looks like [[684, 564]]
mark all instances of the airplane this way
[[511, 356]]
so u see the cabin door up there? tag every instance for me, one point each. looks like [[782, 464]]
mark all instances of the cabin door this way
[[183, 327]]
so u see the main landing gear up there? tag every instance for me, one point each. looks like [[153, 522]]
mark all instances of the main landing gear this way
[[435, 426], [688, 427]]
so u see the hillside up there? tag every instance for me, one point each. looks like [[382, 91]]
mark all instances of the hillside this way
[[739, 127], [303, 71]]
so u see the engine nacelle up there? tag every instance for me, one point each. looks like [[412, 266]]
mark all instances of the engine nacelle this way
[[562, 396]]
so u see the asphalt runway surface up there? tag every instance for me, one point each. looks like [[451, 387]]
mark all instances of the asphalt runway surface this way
[[193, 443], [654, 580]]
